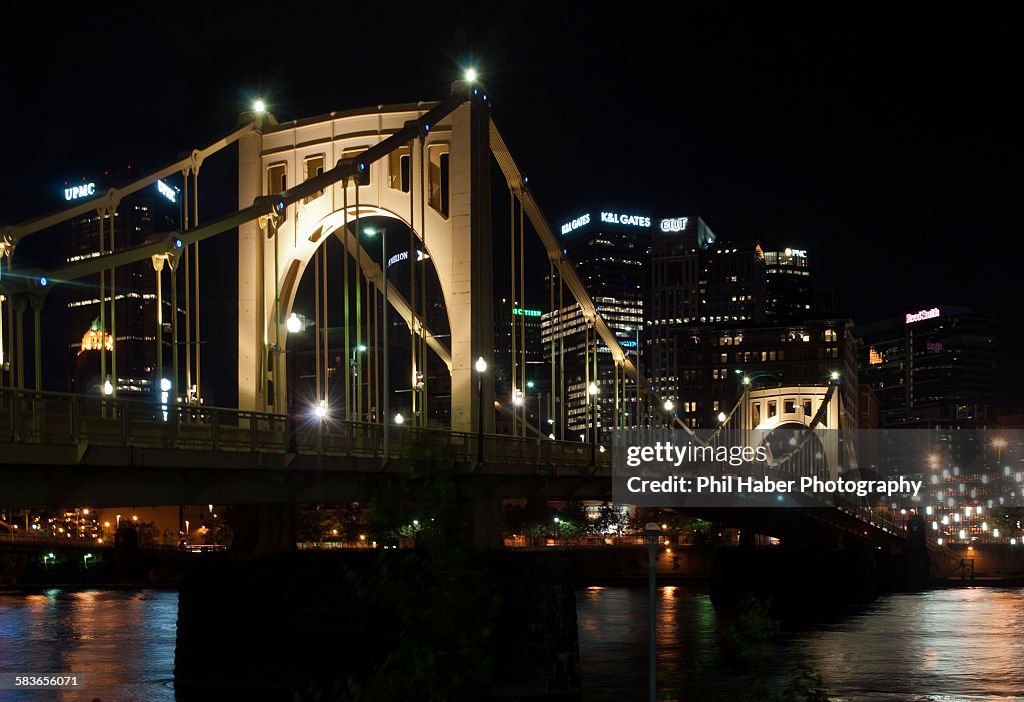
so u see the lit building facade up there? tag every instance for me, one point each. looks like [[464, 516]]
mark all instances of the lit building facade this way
[[933, 366], [706, 374]]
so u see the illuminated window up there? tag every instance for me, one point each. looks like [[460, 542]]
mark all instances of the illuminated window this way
[[438, 179], [772, 408], [875, 357], [830, 335], [314, 167], [277, 181], [400, 169]]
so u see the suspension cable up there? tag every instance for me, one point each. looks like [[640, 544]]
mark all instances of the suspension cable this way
[[188, 285], [199, 347]]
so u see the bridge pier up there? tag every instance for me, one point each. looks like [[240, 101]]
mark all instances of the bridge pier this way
[[263, 529], [486, 511]]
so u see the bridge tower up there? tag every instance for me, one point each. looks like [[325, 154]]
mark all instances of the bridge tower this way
[[437, 185], [818, 407]]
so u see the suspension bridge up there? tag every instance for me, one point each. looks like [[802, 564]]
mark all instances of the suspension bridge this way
[[421, 173]]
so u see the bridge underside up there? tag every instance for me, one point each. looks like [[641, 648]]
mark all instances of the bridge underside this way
[[109, 477]]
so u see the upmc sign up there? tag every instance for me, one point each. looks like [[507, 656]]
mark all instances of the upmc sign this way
[[922, 315]]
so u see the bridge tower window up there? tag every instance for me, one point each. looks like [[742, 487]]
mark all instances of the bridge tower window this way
[[772, 408], [314, 167], [277, 181], [400, 169], [438, 155]]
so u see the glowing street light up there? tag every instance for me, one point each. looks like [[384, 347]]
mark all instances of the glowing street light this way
[[293, 324], [321, 410], [399, 419], [834, 375], [669, 405], [108, 387], [722, 417], [481, 368], [470, 75], [259, 107]]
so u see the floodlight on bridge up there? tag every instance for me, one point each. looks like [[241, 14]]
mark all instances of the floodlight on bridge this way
[[470, 75], [321, 410], [834, 375], [669, 405], [259, 107], [481, 365], [108, 387], [722, 417], [293, 324]]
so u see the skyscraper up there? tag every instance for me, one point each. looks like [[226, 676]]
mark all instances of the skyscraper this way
[[129, 294], [609, 249]]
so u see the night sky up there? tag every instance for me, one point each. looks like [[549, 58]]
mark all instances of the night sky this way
[[879, 140]]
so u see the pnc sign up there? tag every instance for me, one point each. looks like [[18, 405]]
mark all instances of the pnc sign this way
[[166, 190], [76, 192], [922, 315]]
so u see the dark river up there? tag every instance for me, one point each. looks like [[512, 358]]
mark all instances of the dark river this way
[[942, 646]]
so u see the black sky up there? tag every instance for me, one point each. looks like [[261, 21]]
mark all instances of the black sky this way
[[878, 139]]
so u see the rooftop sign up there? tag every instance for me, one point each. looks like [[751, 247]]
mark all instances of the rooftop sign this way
[[674, 224], [575, 224], [77, 192], [922, 315], [622, 218]]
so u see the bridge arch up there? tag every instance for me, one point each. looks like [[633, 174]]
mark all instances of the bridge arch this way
[[437, 185]]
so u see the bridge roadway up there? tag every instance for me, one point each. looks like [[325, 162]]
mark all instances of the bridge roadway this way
[[59, 449]]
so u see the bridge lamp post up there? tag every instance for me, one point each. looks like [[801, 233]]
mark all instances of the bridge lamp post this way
[[652, 537], [386, 401], [481, 368], [593, 390], [355, 374], [670, 407]]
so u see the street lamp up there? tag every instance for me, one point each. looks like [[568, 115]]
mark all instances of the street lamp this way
[[481, 368], [593, 390], [384, 319], [652, 536], [355, 375]]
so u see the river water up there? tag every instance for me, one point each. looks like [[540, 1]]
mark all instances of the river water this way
[[942, 646]]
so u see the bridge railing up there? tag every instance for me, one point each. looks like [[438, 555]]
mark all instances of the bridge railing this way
[[53, 418], [29, 417]]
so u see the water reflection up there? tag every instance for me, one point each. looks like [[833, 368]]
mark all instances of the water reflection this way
[[120, 642], [940, 646], [943, 646]]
